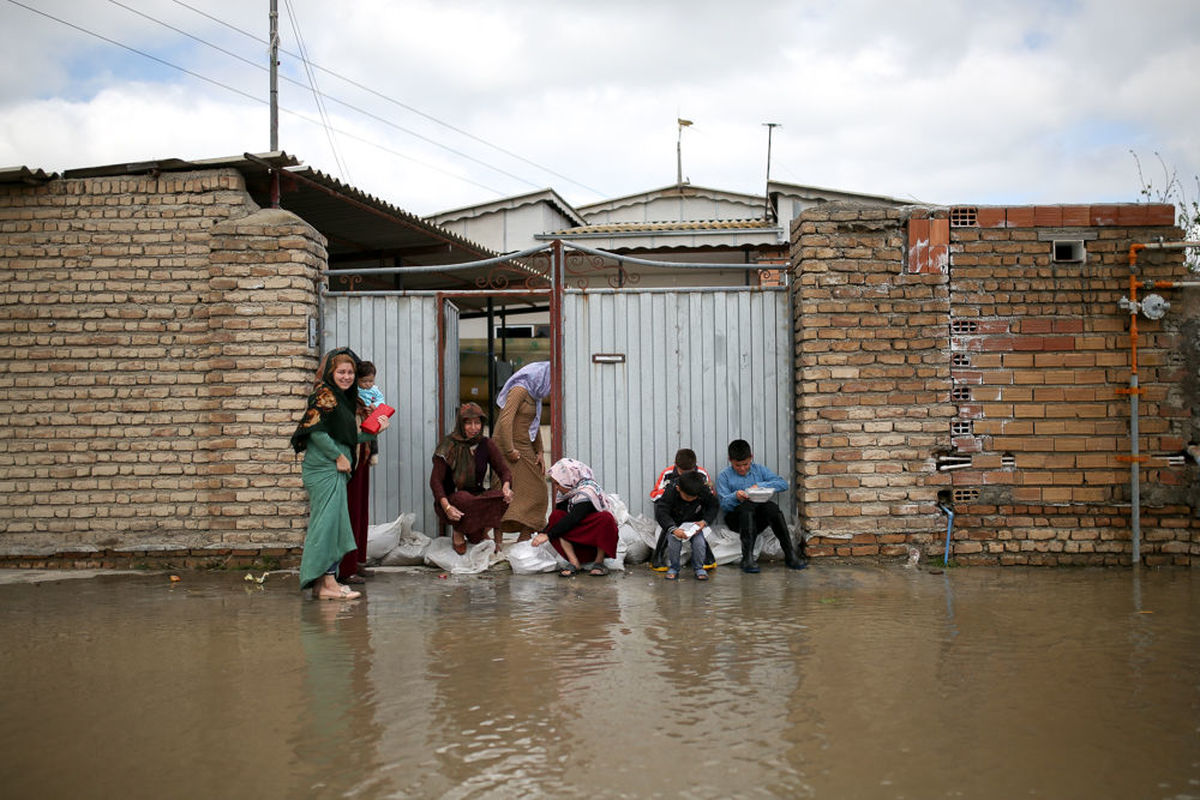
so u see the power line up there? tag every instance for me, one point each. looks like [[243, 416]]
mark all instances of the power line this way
[[403, 105], [312, 79], [343, 103], [249, 96]]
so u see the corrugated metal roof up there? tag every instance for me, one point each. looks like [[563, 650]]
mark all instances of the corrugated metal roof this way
[[25, 175], [634, 228], [361, 229], [548, 196]]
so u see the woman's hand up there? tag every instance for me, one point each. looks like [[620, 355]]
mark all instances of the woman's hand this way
[[452, 513], [679, 534], [342, 463], [383, 423], [539, 539], [506, 490]]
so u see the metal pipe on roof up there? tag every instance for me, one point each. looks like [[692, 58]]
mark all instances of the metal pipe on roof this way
[[645, 262], [440, 267]]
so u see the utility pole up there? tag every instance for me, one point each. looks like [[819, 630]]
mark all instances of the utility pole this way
[[683, 123], [274, 55], [770, 126]]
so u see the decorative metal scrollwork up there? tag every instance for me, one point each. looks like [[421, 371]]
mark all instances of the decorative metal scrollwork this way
[[347, 283], [582, 265]]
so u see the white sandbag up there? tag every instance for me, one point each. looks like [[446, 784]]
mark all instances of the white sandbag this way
[[617, 507], [409, 551], [632, 545], [382, 539], [525, 559], [767, 547], [478, 557], [725, 544]]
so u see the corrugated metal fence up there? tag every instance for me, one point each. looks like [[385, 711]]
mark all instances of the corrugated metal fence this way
[[699, 369], [399, 334], [690, 368]]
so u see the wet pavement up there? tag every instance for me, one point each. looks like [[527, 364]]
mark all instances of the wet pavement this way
[[842, 681]]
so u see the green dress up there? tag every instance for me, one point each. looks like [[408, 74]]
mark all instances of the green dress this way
[[329, 535]]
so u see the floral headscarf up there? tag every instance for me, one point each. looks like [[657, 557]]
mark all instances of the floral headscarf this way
[[330, 409], [455, 449], [535, 379], [577, 479]]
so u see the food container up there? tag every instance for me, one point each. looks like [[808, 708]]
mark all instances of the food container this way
[[759, 494]]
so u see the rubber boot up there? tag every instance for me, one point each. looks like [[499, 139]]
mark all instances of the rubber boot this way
[[789, 555], [748, 562]]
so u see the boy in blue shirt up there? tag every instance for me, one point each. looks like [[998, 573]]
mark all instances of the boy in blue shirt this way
[[747, 517]]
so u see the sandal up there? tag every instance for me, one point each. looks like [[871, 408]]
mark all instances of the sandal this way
[[598, 570], [671, 575], [701, 575], [459, 543], [569, 571]]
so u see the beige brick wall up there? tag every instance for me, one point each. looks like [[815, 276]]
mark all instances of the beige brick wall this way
[[153, 353], [912, 321]]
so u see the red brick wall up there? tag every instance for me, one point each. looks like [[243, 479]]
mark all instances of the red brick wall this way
[[931, 335]]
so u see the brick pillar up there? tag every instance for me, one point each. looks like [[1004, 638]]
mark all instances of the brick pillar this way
[[873, 388], [263, 283]]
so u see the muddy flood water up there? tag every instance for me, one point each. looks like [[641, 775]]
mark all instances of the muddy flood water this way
[[836, 682]]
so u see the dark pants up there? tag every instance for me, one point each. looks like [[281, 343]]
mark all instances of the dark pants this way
[[749, 519], [358, 496]]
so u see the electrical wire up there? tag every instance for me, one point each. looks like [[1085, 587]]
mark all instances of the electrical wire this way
[[343, 103], [312, 80], [251, 97], [403, 105]]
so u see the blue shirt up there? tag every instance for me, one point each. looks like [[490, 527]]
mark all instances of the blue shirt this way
[[370, 397], [729, 483]]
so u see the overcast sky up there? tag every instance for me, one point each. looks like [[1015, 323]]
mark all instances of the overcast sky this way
[[441, 104]]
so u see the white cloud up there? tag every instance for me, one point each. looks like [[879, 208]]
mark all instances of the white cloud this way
[[1019, 101]]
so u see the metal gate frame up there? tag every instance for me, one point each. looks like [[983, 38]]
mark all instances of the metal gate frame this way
[[780, 460]]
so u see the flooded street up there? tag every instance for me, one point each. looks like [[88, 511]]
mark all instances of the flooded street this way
[[837, 682]]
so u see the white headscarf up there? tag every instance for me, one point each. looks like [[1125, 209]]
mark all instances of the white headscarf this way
[[535, 379], [577, 479]]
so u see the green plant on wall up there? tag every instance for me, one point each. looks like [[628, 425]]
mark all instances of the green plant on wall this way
[[1172, 190]]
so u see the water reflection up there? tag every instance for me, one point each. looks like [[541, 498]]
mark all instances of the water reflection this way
[[835, 682]]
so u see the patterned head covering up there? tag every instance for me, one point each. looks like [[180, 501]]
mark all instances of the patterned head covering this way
[[455, 449], [330, 409], [535, 379], [579, 484]]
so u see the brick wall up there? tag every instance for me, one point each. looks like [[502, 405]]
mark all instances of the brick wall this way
[[153, 356], [947, 351]]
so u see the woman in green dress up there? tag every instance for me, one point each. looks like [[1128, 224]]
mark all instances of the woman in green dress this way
[[329, 435]]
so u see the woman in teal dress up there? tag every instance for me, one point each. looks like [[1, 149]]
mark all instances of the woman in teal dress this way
[[329, 435]]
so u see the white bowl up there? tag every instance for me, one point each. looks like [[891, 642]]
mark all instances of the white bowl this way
[[759, 494]]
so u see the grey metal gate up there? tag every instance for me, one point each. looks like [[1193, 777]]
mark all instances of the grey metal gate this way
[[649, 371], [399, 334]]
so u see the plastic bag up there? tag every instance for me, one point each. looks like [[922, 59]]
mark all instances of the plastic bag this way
[[526, 559], [410, 550], [382, 539], [478, 557], [617, 508], [635, 540], [725, 544]]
